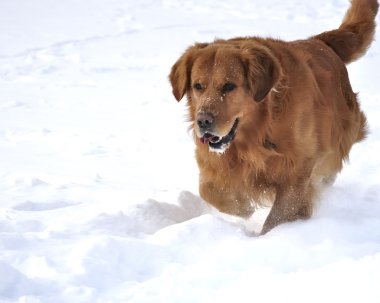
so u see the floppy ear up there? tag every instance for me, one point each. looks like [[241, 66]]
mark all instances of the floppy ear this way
[[180, 74], [262, 70]]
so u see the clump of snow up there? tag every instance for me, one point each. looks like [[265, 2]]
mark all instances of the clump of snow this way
[[98, 182]]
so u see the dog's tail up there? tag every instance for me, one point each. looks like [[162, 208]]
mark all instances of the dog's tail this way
[[352, 39]]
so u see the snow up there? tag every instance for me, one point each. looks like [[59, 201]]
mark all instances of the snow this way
[[98, 182]]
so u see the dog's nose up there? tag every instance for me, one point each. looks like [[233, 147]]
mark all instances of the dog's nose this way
[[205, 120]]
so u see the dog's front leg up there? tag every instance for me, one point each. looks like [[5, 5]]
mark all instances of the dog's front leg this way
[[226, 200], [292, 202]]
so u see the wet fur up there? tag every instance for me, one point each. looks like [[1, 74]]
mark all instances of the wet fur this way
[[298, 116]]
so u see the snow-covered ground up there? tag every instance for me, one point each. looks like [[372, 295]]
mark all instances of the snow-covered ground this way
[[98, 183]]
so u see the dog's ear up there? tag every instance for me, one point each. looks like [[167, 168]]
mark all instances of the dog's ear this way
[[180, 74], [262, 70]]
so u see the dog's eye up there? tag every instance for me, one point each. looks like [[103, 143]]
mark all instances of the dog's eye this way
[[228, 87], [197, 86]]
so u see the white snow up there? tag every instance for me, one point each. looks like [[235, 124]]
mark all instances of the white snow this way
[[98, 182]]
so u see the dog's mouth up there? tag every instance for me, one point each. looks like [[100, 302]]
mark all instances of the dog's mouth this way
[[220, 144]]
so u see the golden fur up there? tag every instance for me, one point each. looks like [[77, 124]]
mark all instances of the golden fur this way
[[288, 107]]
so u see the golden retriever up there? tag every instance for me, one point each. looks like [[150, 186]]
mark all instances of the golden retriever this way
[[274, 119]]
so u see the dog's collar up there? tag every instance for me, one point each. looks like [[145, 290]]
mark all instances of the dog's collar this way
[[269, 144]]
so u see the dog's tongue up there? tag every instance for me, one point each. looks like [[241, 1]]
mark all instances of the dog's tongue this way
[[209, 137], [204, 140]]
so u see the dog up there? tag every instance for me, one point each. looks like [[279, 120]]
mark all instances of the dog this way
[[274, 120]]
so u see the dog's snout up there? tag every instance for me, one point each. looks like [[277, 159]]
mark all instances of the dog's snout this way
[[205, 120]]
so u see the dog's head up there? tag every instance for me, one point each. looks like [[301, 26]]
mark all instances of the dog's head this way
[[224, 84]]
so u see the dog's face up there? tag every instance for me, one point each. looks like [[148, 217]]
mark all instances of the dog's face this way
[[223, 84]]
